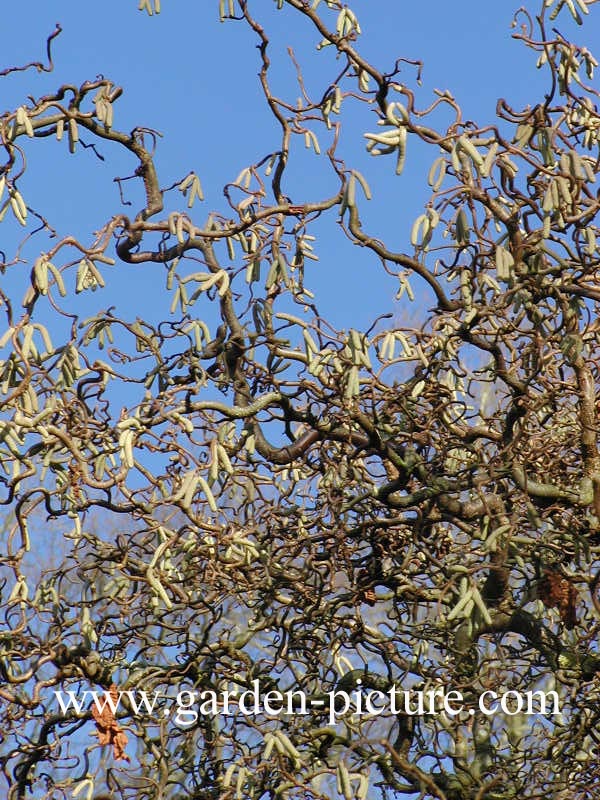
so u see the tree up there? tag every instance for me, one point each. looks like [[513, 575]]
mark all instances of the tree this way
[[241, 495]]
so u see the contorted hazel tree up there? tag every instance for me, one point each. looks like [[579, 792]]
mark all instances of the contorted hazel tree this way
[[312, 508]]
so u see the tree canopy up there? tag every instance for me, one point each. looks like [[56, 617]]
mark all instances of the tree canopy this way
[[231, 490]]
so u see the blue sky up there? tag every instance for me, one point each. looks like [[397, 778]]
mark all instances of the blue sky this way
[[195, 81]]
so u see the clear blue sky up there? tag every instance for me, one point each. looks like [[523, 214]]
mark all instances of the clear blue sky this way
[[195, 81]]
